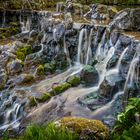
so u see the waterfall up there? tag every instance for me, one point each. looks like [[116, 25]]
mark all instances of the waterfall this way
[[116, 69], [84, 46], [59, 7], [89, 51], [131, 77], [99, 48], [25, 25], [121, 57], [66, 51], [11, 116], [81, 36], [3, 19], [101, 67]]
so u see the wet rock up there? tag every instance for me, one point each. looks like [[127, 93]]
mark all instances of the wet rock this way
[[112, 62], [111, 85], [3, 78], [89, 75], [127, 19], [101, 12], [25, 79], [14, 67]]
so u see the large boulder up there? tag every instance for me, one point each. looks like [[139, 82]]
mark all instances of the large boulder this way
[[85, 128], [127, 19], [89, 75]]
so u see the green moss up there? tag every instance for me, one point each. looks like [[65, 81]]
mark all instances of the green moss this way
[[44, 97], [28, 78], [23, 52], [85, 128], [40, 70], [50, 67], [74, 80], [61, 88], [32, 102]]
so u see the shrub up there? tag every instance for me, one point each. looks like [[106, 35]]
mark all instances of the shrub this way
[[32, 102], [126, 121]]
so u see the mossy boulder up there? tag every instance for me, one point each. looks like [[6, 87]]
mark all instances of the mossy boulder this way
[[44, 97], [74, 80], [89, 75], [85, 128], [60, 88], [40, 70], [23, 51], [50, 67]]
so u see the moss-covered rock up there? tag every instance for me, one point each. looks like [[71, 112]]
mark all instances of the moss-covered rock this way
[[85, 128], [44, 97], [32, 101], [50, 67], [73, 80], [89, 75], [23, 51], [61, 88], [40, 70]]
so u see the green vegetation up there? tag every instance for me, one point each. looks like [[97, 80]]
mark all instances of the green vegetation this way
[[23, 52], [46, 132], [44, 97], [74, 80], [61, 88], [32, 102], [9, 31], [86, 129], [127, 126], [50, 67], [40, 70]]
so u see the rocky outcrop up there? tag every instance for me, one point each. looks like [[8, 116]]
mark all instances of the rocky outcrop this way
[[127, 19]]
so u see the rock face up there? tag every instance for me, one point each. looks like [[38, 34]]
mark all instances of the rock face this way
[[89, 75], [101, 12], [14, 67], [127, 19]]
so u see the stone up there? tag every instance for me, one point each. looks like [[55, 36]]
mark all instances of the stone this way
[[89, 75], [14, 67], [3, 78], [127, 19], [25, 79]]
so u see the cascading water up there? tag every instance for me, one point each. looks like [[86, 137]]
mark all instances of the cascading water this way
[[116, 69], [25, 25], [89, 51], [12, 113], [4, 19], [99, 48], [67, 52], [81, 36], [131, 77]]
